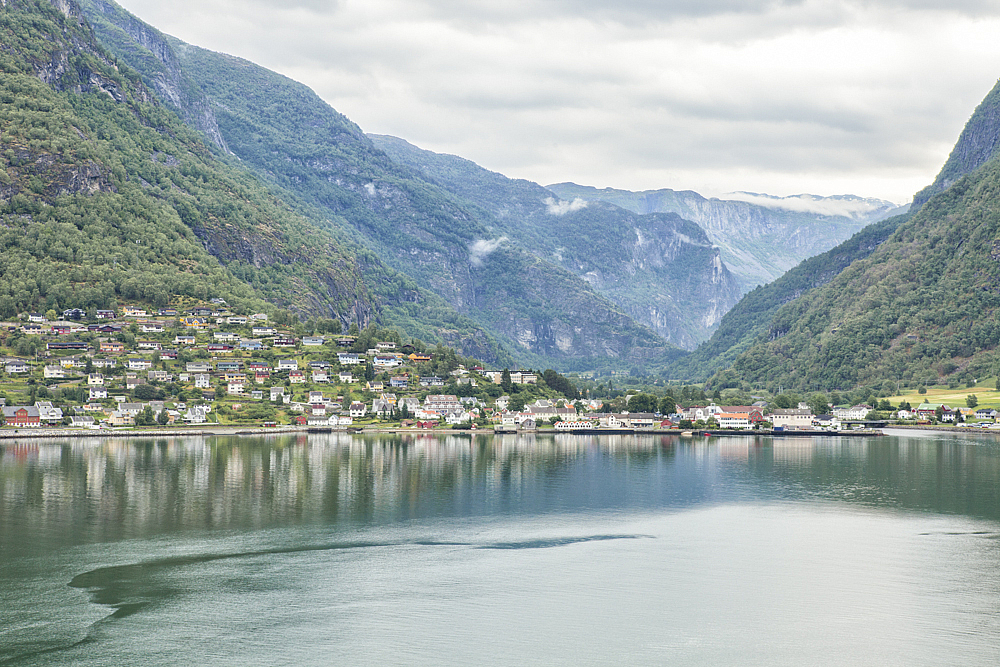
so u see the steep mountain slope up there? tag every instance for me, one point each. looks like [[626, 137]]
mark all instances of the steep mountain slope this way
[[284, 132], [659, 268], [748, 321], [977, 145], [922, 307], [761, 236], [121, 32], [106, 196]]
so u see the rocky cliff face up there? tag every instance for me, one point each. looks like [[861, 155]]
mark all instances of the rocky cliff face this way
[[162, 71], [659, 269], [56, 61], [977, 145], [759, 238]]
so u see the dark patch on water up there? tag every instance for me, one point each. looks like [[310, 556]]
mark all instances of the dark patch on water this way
[[560, 542], [128, 589]]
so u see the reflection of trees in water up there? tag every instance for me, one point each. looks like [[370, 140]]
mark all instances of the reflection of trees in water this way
[[109, 489]]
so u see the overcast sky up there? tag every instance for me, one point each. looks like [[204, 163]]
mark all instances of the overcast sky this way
[[864, 97]]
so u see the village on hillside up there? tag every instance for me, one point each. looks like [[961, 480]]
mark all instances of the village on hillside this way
[[208, 366]]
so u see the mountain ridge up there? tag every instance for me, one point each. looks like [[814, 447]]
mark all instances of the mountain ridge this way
[[283, 132], [758, 243], [659, 268]]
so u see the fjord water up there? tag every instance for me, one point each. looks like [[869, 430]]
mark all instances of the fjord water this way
[[513, 550]]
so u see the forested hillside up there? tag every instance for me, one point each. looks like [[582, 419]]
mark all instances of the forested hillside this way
[[977, 145], [659, 268], [749, 321], [922, 308], [106, 196], [289, 136]]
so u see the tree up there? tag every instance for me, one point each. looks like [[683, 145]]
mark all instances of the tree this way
[[516, 403], [163, 417], [921, 390], [939, 412], [505, 382], [145, 418], [667, 405], [89, 366], [369, 371], [818, 404], [971, 401], [642, 403], [560, 383]]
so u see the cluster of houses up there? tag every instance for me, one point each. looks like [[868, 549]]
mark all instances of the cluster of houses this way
[[212, 354], [206, 353]]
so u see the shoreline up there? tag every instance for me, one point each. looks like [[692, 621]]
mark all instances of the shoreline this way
[[223, 431]]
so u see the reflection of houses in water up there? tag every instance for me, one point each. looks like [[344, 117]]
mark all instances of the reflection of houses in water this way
[[734, 449], [799, 451]]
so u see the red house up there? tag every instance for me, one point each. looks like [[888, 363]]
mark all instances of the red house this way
[[22, 416]]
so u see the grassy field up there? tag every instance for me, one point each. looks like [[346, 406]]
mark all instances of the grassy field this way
[[985, 392]]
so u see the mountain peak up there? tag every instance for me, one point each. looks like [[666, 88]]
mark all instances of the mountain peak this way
[[978, 144]]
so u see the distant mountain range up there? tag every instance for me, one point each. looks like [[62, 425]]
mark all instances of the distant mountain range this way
[[761, 236], [659, 268]]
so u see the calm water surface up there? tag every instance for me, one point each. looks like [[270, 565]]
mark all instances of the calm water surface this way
[[515, 550]]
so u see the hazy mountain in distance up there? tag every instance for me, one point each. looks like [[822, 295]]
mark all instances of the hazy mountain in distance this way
[[659, 268], [761, 236]]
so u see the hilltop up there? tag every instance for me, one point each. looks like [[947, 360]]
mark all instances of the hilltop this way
[[920, 309]]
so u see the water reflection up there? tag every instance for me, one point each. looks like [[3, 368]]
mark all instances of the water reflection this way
[[82, 491]]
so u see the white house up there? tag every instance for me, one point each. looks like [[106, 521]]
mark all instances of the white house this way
[[853, 413], [733, 420], [793, 418], [15, 366], [348, 358]]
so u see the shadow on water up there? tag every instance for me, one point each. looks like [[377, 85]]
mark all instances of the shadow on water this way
[[128, 589]]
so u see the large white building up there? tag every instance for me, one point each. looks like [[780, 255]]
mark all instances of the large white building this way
[[794, 418], [734, 420], [855, 412]]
